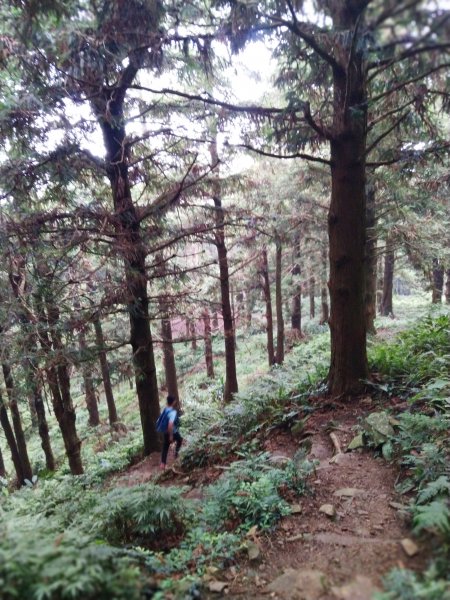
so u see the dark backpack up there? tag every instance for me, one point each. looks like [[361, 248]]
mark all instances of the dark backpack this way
[[162, 424]]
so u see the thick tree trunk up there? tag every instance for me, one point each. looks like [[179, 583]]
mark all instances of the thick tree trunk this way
[[19, 435], [312, 297], [231, 383], [347, 214], [447, 286], [388, 278], [324, 287], [57, 374], [371, 261], [12, 445], [110, 402], [438, 281], [89, 388], [264, 271], [133, 251], [208, 344], [296, 314], [279, 304]]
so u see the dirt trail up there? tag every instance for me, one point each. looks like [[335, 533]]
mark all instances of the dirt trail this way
[[312, 556], [353, 549]]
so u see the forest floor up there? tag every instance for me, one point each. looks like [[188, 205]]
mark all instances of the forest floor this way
[[312, 555]]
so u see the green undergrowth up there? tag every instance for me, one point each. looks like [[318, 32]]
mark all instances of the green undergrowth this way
[[78, 537], [66, 538], [414, 368], [279, 399]]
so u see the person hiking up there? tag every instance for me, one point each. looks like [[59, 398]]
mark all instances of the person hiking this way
[[168, 424]]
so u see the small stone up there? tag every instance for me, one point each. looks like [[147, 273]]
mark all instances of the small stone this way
[[361, 588], [217, 586], [296, 509], [357, 442], [410, 547], [398, 506], [295, 538], [348, 492], [253, 551], [328, 509], [304, 584]]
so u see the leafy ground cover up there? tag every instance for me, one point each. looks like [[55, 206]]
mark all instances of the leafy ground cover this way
[[229, 507]]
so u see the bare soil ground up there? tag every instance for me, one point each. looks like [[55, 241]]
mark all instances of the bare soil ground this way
[[312, 556]]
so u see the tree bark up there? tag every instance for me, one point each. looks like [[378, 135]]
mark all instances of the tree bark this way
[[312, 297], [388, 278], [324, 288], [30, 363], [57, 374], [264, 271], [371, 261], [110, 402], [110, 115], [170, 368], [209, 361], [2, 465], [12, 445], [447, 286], [438, 281], [89, 388], [296, 315], [193, 333], [279, 303], [19, 435], [347, 213], [231, 383]]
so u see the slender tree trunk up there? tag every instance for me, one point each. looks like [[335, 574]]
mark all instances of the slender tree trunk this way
[[447, 286], [193, 333], [58, 376], [170, 368], [89, 388], [279, 303], [233, 314], [208, 344], [2, 466], [380, 278], [388, 278], [30, 363], [371, 260], [312, 297], [347, 214], [438, 281], [296, 314], [12, 445], [100, 341], [21, 444], [109, 111], [215, 321], [323, 287], [231, 383], [264, 271], [249, 304]]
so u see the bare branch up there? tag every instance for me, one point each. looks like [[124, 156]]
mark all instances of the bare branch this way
[[385, 134], [296, 155]]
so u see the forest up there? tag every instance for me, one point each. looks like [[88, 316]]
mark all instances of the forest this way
[[233, 213]]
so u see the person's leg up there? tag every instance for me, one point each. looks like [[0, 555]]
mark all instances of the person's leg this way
[[165, 450], [179, 440]]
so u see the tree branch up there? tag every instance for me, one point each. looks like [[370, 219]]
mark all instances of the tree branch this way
[[385, 134], [296, 155]]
